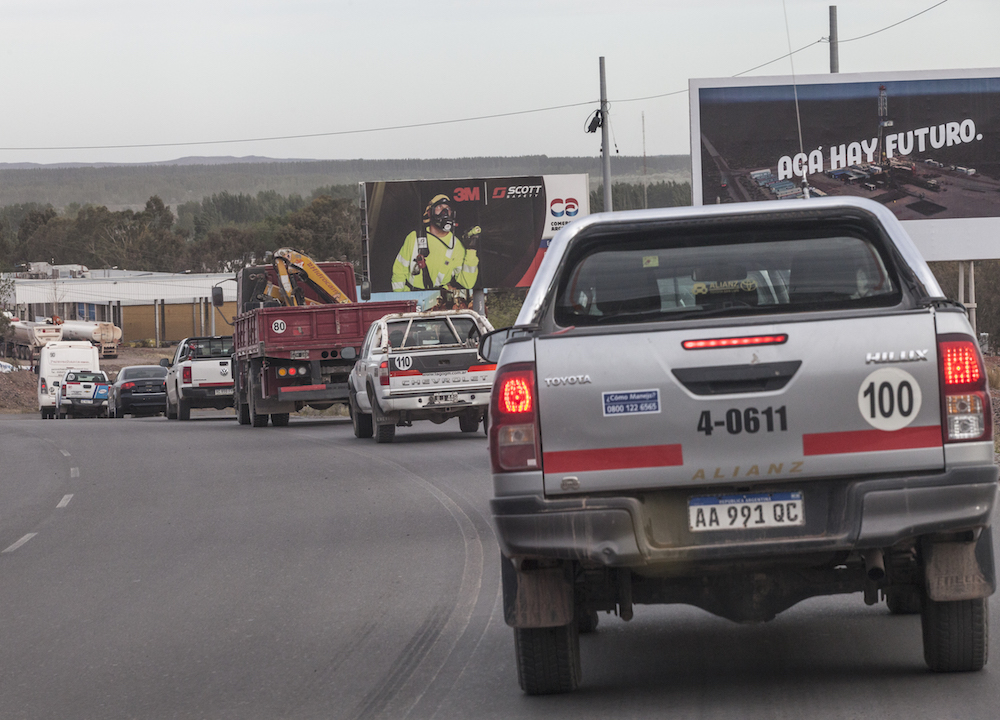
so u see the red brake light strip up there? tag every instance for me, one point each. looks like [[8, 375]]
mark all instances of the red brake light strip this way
[[710, 343]]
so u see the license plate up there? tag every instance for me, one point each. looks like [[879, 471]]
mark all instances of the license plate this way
[[86, 402], [444, 398], [746, 511], [223, 391]]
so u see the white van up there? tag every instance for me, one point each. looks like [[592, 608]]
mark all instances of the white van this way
[[53, 362]]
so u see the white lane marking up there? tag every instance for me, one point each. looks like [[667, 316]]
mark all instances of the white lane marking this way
[[65, 453], [65, 501], [74, 472], [20, 542]]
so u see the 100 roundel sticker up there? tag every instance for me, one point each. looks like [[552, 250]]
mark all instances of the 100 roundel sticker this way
[[889, 399]]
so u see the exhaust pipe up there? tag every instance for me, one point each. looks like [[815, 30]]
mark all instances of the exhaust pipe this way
[[874, 564]]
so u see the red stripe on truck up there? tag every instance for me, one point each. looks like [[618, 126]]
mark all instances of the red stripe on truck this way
[[858, 441], [301, 388], [625, 458]]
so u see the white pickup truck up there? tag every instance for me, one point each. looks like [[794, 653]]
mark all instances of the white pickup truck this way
[[200, 376], [83, 393], [420, 366]]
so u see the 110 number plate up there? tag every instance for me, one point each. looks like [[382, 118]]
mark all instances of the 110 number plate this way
[[746, 511]]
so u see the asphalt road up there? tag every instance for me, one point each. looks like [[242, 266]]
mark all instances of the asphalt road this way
[[160, 569]]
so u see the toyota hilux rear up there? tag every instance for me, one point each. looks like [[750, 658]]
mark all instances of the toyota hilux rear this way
[[739, 408]]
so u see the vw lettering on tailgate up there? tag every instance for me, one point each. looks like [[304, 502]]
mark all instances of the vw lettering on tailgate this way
[[631, 402]]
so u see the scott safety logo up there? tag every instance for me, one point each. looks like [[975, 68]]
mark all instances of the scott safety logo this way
[[517, 191], [568, 207]]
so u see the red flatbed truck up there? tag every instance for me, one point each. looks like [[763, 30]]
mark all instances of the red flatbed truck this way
[[286, 358]]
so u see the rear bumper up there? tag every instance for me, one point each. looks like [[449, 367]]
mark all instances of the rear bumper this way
[[198, 397], [648, 529], [77, 407], [149, 401]]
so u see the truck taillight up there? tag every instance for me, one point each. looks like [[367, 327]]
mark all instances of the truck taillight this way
[[514, 439], [64, 390], [383, 373], [186, 374], [966, 410], [45, 387]]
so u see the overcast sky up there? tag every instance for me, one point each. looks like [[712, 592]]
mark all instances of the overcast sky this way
[[135, 72]]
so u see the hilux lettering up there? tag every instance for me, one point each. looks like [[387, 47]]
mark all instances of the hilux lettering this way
[[901, 356]]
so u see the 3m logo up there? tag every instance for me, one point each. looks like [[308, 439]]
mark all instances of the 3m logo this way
[[466, 194], [568, 207]]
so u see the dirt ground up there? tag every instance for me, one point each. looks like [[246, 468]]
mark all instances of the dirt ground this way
[[18, 389]]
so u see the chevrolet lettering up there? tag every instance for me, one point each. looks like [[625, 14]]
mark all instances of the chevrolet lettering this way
[[681, 414]]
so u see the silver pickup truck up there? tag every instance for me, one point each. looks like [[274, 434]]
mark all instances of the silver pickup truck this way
[[739, 407], [420, 366]]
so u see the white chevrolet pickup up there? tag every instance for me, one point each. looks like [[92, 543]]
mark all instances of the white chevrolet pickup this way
[[739, 407], [420, 366]]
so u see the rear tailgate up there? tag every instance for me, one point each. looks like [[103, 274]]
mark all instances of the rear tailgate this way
[[438, 373], [826, 402]]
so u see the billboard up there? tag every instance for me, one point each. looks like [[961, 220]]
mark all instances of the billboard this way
[[468, 233], [924, 144]]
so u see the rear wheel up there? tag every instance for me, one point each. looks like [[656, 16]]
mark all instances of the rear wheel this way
[[903, 600], [548, 659], [171, 411], [183, 409], [385, 433], [362, 421], [956, 634], [256, 419], [469, 423], [243, 413], [280, 419]]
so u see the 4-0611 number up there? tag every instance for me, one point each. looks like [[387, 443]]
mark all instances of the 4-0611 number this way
[[750, 420]]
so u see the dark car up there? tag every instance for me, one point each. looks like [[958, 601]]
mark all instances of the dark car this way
[[140, 390]]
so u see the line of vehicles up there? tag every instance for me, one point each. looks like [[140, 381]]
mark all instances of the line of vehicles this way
[[736, 407], [300, 339]]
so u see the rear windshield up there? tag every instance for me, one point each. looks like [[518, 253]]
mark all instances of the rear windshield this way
[[431, 332], [86, 377], [143, 373], [669, 277], [202, 348]]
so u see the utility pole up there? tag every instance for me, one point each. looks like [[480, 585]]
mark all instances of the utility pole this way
[[605, 155], [834, 50], [645, 192]]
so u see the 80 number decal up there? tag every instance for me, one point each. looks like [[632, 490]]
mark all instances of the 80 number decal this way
[[750, 420]]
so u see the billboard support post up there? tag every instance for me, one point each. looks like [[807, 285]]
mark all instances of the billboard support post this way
[[605, 155], [834, 49]]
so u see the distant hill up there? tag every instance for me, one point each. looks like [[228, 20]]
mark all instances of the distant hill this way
[[120, 186]]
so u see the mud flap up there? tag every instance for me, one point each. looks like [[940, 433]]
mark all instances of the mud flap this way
[[959, 570], [536, 598]]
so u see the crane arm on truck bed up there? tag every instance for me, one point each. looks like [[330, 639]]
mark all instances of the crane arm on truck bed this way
[[289, 263]]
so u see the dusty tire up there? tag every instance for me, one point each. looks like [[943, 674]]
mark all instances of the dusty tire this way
[[171, 411], [548, 659], [362, 422], [183, 409], [468, 423], [956, 635], [903, 600], [243, 414], [255, 419], [385, 433], [586, 621], [280, 419]]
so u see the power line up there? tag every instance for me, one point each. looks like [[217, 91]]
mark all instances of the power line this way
[[435, 123]]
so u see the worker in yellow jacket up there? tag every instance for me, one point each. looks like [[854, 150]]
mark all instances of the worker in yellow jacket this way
[[434, 256]]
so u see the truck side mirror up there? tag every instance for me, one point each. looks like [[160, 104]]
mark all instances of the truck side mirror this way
[[164, 362], [217, 299], [366, 290], [492, 343]]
